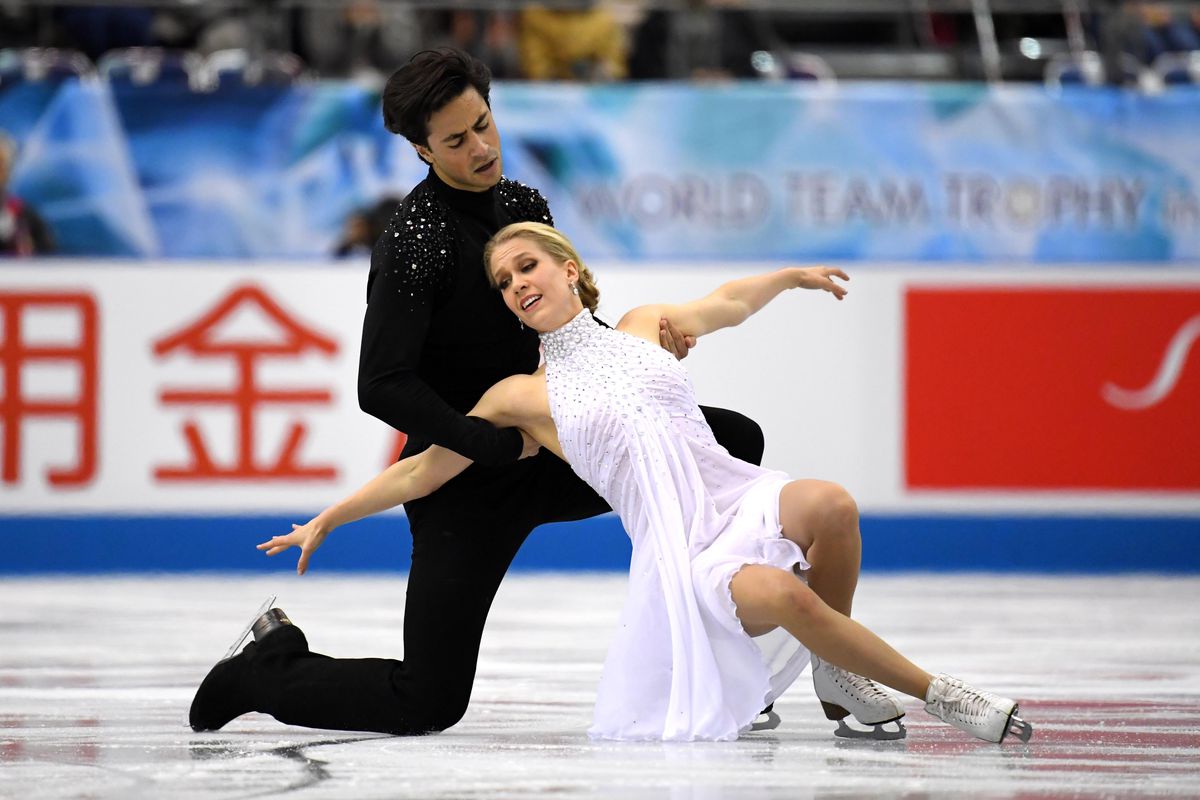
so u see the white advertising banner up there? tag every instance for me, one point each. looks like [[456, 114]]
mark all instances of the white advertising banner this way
[[230, 388]]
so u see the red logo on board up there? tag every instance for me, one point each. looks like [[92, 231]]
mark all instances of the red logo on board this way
[[1053, 388], [20, 349], [289, 339]]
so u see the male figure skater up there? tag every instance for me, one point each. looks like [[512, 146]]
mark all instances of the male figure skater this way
[[435, 337]]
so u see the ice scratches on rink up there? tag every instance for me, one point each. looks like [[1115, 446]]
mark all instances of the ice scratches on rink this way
[[96, 676]]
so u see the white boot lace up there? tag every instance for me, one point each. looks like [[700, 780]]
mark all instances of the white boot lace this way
[[969, 705], [864, 686]]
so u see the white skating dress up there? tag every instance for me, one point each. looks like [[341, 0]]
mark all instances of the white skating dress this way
[[680, 666]]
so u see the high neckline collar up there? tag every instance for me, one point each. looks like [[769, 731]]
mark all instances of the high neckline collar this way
[[565, 339], [462, 199]]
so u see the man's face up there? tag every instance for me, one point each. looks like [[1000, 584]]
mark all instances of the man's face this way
[[464, 145]]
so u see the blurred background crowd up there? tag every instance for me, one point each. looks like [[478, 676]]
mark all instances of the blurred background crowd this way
[[609, 40]]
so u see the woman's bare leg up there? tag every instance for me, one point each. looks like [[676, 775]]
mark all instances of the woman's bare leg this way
[[822, 518], [768, 596]]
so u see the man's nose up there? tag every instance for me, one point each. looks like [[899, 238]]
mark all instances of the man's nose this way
[[479, 147]]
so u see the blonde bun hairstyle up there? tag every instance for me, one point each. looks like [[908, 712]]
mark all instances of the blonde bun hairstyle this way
[[554, 243]]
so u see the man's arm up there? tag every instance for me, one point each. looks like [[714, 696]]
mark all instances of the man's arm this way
[[400, 304]]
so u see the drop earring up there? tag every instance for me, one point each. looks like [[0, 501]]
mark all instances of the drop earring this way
[[575, 289]]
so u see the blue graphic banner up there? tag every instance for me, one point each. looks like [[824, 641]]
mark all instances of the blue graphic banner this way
[[879, 172]]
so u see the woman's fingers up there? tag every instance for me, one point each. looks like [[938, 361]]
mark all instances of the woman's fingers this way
[[277, 544]]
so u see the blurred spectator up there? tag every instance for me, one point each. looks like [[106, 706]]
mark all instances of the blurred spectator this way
[[17, 27], [578, 45], [362, 39], [701, 40], [94, 30], [364, 227], [254, 26], [490, 36], [1161, 28], [22, 232]]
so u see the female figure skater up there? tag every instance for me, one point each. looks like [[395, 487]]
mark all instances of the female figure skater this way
[[728, 590]]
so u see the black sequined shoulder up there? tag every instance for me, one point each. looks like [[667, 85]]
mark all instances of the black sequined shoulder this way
[[417, 252], [523, 203]]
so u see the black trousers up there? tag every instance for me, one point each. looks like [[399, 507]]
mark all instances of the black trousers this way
[[465, 536]]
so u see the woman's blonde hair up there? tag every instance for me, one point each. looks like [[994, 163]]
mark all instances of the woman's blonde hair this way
[[554, 243]]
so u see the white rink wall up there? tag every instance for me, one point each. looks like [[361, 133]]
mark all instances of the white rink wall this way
[[826, 380]]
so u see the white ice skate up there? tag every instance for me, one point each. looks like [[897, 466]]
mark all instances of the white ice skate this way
[[982, 714], [843, 693]]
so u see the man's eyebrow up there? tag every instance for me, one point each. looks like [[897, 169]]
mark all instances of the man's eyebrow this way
[[461, 134]]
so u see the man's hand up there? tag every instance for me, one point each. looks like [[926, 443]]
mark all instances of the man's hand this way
[[307, 537], [673, 340]]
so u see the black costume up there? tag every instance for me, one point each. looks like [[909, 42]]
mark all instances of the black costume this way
[[436, 336]]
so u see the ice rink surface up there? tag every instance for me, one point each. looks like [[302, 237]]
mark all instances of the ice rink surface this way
[[96, 675]]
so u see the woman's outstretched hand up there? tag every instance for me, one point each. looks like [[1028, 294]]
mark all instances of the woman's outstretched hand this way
[[822, 278], [307, 537]]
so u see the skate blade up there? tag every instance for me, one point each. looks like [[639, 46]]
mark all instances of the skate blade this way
[[877, 733], [767, 721], [1019, 728], [237, 643]]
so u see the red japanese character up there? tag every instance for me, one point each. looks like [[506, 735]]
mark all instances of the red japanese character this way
[[17, 352], [292, 340]]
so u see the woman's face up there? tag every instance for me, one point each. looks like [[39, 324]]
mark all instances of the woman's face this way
[[535, 286]]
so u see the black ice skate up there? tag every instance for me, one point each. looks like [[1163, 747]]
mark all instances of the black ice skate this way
[[264, 621], [224, 694]]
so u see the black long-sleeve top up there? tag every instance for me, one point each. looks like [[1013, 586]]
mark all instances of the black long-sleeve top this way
[[436, 335]]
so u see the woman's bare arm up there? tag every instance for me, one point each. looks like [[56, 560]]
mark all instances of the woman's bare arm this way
[[409, 479], [732, 303]]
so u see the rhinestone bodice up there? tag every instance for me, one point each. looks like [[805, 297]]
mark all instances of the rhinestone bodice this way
[[610, 395]]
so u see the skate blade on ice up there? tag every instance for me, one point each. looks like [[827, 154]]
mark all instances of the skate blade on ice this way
[[1019, 728], [768, 720], [878, 732], [264, 608]]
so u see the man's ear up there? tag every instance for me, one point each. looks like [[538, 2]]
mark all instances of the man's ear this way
[[423, 153]]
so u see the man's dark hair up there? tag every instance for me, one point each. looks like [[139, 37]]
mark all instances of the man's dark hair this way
[[426, 84]]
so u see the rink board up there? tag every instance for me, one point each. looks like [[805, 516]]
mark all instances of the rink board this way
[[984, 418], [946, 543]]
